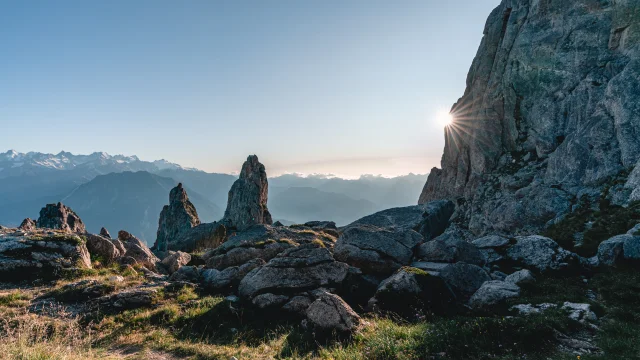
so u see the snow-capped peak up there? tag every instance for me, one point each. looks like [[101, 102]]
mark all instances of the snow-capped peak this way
[[63, 160]]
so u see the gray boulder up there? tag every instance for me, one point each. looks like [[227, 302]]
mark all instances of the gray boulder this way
[[60, 217], [430, 220], [330, 314], [493, 295], [297, 269], [175, 261], [40, 255], [138, 250], [104, 248], [175, 219], [619, 250], [247, 204], [126, 300], [492, 247], [522, 277], [540, 253], [261, 241], [268, 300], [376, 250], [464, 279], [448, 248], [410, 291], [229, 278], [186, 274]]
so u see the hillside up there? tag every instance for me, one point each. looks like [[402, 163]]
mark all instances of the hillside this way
[[131, 201]]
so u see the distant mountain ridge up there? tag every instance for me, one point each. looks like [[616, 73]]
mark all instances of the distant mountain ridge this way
[[94, 185], [14, 163]]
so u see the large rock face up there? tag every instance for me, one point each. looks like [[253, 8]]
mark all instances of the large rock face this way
[[551, 112], [175, 219], [247, 205], [60, 217]]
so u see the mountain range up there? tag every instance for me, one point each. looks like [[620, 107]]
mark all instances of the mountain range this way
[[117, 191]]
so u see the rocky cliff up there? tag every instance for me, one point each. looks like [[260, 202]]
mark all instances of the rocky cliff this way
[[550, 115]]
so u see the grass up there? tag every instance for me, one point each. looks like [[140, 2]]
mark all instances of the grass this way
[[608, 221], [15, 299], [187, 324]]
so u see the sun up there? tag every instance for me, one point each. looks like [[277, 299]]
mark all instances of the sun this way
[[444, 118]]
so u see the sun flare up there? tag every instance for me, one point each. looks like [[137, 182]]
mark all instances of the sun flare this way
[[444, 118]]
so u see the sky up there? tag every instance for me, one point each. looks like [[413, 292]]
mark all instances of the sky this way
[[345, 87]]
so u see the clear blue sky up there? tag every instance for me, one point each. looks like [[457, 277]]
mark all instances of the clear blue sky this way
[[330, 86]]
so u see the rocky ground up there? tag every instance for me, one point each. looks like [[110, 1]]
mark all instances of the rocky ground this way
[[404, 283]]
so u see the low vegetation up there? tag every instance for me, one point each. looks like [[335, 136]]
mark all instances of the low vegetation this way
[[595, 226], [187, 324]]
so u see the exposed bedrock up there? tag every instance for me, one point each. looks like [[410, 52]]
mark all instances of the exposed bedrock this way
[[551, 112]]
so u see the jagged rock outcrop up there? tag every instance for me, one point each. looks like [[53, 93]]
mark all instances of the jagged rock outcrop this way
[[550, 113], [247, 204], [40, 255], [60, 217], [27, 225], [105, 233], [176, 219]]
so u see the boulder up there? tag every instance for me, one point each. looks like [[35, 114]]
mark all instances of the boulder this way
[[137, 250], [268, 300], [186, 274], [295, 270], [229, 278], [430, 220], [41, 255], [619, 250], [60, 217], [298, 305], [105, 233], [540, 253], [329, 314], [105, 249], [464, 279], [447, 248], [126, 300], [579, 312], [200, 237], [261, 241], [27, 225], [175, 219], [247, 204], [376, 250], [412, 291], [492, 247], [175, 261], [522, 277], [493, 295]]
